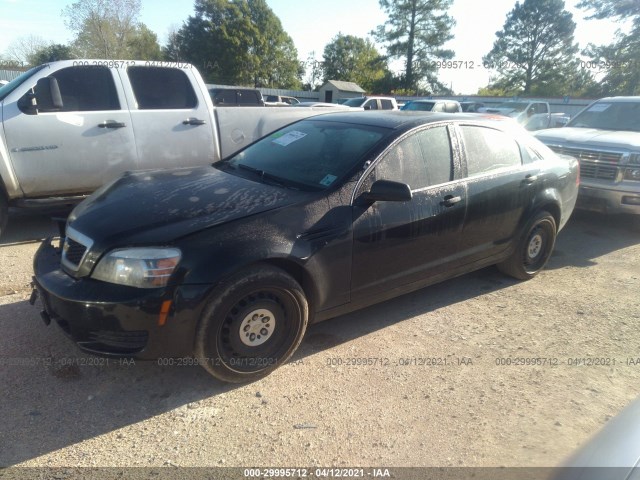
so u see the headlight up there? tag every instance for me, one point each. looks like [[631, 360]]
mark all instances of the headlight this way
[[138, 267], [632, 174]]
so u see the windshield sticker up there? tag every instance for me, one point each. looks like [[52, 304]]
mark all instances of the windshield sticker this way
[[290, 137], [328, 180], [599, 107]]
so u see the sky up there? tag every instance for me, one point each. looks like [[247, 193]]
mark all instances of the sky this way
[[314, 23]]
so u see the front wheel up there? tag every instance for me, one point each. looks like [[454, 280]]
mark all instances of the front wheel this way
[[252, 325], [534, 248]]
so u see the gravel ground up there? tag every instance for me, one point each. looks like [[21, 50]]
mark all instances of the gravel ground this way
[[363, 388]]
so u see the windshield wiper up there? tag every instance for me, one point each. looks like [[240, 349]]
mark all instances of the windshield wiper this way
[[266, 177]]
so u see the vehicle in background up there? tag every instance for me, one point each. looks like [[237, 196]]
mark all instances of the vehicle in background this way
[[447, 106], [231, 262], [373, 103], [605, 138], [68, 127], [471, 107], [280, 101], [325, 105], [532, 115], [236, 97]]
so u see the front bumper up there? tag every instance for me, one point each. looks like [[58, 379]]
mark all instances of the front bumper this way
[[116, 320], [607, 200]]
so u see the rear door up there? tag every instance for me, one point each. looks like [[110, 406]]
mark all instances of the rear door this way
[[171, 118], [500, 188], [75, 149], [399, 243]]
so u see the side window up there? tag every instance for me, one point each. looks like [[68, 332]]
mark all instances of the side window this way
[[87, 89], [161, 88], [223, 97], [436, 150], [386, 104], [371, 105], [404, 163], [542, 108], [488, 149]]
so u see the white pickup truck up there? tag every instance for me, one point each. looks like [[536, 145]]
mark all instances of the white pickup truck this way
[[532, 115], [69, 127]]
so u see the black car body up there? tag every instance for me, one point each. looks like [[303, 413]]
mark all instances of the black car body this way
[[323, 217]]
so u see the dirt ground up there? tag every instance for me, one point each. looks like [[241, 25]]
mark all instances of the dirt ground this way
[[478, 371]]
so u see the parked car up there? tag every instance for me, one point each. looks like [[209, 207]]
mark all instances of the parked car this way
[[532, 115], [471, 107], [448, 106], [330, 214], [372, 103], [280, 101], [605, 137], [236, 97], [68, 127], [324, 105]]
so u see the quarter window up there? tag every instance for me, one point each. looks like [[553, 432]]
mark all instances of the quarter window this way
[[161, 88], [488, 149]]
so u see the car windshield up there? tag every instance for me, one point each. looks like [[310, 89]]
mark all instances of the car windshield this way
[[421, 106], [517, 106], [355, 102], [308, 155], [609, 116], [16, 82]]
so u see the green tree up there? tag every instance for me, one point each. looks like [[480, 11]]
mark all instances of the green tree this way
[[415, 32], [22, 49], [51, 53], [618, 60], [109, 29], [143, 44], [535, 52], [239, 42], [353, 59]]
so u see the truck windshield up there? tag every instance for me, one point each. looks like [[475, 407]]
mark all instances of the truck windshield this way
[[609, 116], [308, 155], [16, 82]]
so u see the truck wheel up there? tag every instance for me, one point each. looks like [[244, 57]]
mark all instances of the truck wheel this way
[[534, 248], [251, 325], [4, 214]]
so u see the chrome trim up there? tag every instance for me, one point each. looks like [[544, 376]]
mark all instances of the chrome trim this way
[[80, 238]]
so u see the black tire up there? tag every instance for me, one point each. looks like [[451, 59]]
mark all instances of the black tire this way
[[4, 214], [253, 324], [534, 248]]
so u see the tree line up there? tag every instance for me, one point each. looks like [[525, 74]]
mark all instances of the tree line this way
[[242, 42]]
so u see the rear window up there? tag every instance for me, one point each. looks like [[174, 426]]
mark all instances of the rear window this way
[[158, 88], [488, 149]]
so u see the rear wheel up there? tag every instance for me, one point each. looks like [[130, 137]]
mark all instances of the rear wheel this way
[[252, 325], [534, 248]]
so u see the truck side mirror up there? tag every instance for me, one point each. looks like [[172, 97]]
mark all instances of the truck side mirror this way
[[48, 96]]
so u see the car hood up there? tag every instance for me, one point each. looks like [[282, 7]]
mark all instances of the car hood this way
[[592, 136], [162, 205]]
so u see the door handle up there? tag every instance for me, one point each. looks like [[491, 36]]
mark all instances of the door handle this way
[[193, 121], [529, 179], [112, 125], [450, 200]]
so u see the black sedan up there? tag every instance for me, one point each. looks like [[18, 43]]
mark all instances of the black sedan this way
[[230, 263]]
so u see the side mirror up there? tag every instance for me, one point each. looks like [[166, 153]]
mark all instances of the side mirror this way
[[388, 191], [48, 96]]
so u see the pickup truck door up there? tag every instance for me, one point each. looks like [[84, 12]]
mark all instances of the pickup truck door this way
[[171, 116], [539, 117], [78, 148]]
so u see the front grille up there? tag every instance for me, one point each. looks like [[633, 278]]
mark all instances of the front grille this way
[[74, 251], [593, 163]]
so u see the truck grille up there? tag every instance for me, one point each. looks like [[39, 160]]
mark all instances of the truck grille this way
[[593, 163]]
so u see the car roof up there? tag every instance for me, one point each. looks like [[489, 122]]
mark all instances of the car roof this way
[[396, 119], [620, 99]]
